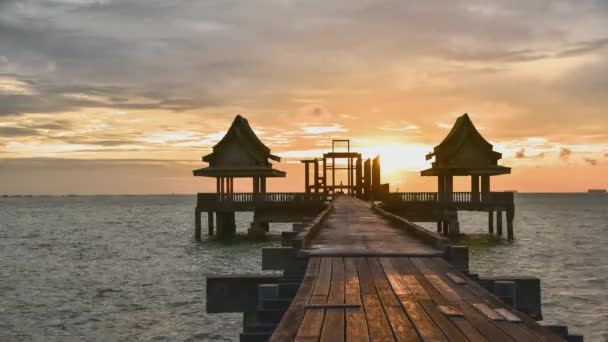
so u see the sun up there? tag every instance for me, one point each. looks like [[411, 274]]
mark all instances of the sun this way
[[398, 157]]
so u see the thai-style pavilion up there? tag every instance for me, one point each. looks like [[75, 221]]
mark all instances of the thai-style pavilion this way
[[240, 154], [464, 152]]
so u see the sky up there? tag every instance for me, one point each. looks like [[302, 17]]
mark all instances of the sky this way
[[103, 96]]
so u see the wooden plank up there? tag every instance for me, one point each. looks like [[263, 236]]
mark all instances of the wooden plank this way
[[393, 277], [337, 289], [332, 306], [387, 297], [311, 324], [403, 329], [513, 330], [475, 323], [455, 278], [449, 310], [422, 322], [379, 329], [449, 293], [488, 312], [423, 297], [333, 324], [508, 315], [356, 325], [321, 291], [288, 327]]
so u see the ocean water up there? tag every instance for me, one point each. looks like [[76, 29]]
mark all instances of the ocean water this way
[[125, 268]]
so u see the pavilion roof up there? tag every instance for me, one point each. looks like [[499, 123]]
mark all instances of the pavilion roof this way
[[240, 153], [464, 151]]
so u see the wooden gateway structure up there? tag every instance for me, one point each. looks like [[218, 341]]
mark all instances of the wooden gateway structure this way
[[463, 152]]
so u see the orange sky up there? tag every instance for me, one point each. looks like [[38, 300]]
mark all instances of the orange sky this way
[[95, 97]]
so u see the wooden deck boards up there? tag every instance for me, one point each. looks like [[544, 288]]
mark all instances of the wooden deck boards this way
[[401, 299], [352, 228]]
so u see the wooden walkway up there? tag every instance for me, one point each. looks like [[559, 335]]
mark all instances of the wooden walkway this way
[[369, 281], [399, 299], [354, 229]]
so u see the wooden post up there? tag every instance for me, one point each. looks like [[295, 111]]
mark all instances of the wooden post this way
[[333, 175], [449, 188], [441, 188], [232, 185], [316, 175], [439, 227], [475, 188], [324, 175], [510, 217], [256, 185], [217, 185], [485, 187], [306, 178], [263, 185], [359, 175], [499, 222], [210, 223], [491, 222], [197, 224]]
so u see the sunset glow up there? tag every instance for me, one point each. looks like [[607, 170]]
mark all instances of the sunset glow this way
[[116, 87]]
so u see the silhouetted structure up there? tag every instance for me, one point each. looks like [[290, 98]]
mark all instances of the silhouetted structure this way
[[241, 154], [463, 152], [362, 180]]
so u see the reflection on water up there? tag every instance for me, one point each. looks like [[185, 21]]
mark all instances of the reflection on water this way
[[125, 268]]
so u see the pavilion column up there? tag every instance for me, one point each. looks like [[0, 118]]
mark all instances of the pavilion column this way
[[359, 176], [263, 185], [306, 178], [221, 185], [256, 185], [333, 175], [217, 185], [449, 187], [197, 224], [485, 187], [316, 176], [475, 188], [441, 187], [510, 217], [231, 185], [499, 222], [324, 175]]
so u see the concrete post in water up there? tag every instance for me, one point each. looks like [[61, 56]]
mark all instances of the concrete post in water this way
[[267, 291], [210, 223], [458, 256], [197, 224], [226, 225], [491, 222], [506, 291], [510, 217], [499, 222]]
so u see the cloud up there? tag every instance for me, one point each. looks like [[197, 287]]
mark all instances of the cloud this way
[[8, 131], [520, 154], [398, 126], [590, 161], [564, 153], [331, 128]]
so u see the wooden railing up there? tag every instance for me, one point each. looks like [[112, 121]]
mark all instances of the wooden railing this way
[[259, 199], [456, 197]]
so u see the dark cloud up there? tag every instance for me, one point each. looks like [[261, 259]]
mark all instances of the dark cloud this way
[[7, 131], [564, 153], [590, 161]]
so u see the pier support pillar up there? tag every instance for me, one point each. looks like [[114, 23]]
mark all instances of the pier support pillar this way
[[491, 222], [210, 223], [439, 227], [458, 256], [510, 217], [197, 224], [226, 225], [499, 222]]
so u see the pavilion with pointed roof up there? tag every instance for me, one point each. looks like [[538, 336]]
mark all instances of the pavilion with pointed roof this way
[[240, 154], [464, 152]]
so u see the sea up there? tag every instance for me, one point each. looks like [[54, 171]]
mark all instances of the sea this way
[[125, 268]]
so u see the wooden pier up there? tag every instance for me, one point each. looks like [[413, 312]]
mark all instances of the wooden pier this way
[[356, 267]]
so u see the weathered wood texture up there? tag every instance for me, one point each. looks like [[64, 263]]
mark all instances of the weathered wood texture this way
[[353, 228], [399, 298]]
